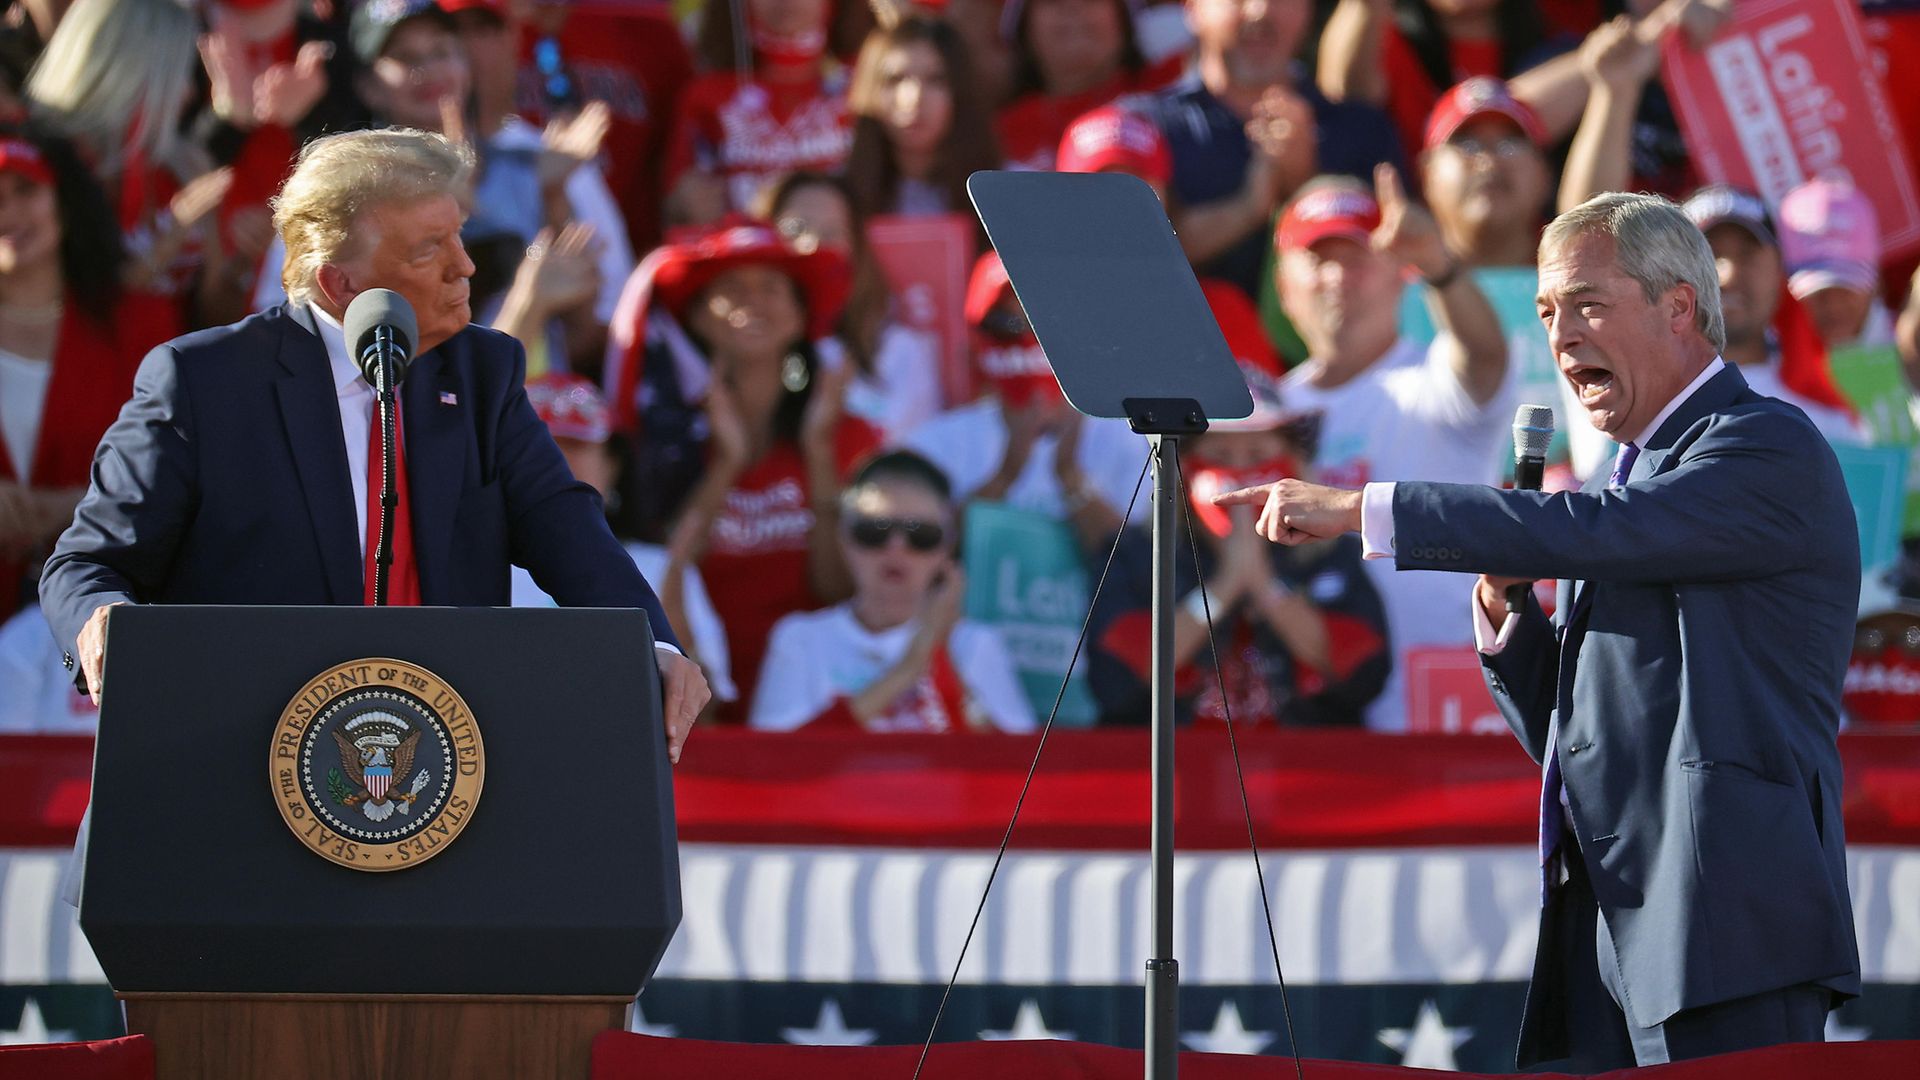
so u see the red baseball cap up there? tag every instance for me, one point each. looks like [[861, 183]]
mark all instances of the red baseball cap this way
[[1115, 138], [497, 8], [1324, 213], [571, 407], [22, 157], [1477, 97]]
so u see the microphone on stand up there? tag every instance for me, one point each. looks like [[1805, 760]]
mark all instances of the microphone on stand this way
[[380, 328], [1532, 433]]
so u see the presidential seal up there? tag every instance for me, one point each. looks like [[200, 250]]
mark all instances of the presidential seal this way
[[377, 764]]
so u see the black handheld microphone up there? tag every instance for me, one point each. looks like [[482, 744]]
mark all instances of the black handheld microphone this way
[[380, 328], [1532, 433]]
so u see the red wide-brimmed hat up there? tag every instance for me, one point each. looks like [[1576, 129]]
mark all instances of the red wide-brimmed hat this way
[[674, 275]]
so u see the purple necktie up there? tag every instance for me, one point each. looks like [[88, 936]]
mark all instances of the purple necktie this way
[[1552, 815]]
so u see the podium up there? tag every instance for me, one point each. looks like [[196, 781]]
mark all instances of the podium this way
[[379, 842]]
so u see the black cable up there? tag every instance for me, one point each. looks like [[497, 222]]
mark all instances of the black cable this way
[[1085, 625], [1246, 808]]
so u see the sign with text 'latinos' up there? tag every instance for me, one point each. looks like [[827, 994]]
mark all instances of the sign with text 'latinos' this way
[[1789, 92], [1025, 579]]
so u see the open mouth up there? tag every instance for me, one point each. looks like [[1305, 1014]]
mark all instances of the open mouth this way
[[1591, 383]]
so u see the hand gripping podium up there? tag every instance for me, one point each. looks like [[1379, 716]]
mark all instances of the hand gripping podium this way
[[379, 842]]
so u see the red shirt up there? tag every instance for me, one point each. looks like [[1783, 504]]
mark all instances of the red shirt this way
[[636, 62], [756, 562], [754, 133], [1030, 128], [1411, 94], [93, 369]]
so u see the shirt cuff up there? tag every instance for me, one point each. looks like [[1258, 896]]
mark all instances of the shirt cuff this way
[[664, 647], [1484, 638], [1376, 521]]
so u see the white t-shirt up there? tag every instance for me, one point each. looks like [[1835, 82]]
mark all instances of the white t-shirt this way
[[709, 634], [23, 399], [36, 691], [1836, 425], [968, 443], [814, 657], [904, 390], [1406, 417]]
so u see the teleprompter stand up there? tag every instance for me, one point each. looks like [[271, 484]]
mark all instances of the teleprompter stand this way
[[1122, 320]]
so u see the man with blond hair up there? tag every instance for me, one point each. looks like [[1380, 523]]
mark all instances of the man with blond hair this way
[[1685, 698], [240, 471]]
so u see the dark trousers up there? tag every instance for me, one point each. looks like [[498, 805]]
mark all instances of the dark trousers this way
[[1574, 1022]]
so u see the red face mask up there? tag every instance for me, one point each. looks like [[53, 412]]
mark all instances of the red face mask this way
[[803, 48], [1017, 370], [1205, 480]]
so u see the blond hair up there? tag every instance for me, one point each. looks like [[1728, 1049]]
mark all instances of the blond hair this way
[[338, 177], [115, 76]]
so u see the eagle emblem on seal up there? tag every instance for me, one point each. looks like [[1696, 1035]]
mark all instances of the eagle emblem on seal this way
[[376, 760]]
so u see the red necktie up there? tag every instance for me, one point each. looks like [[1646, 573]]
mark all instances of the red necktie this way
[[403, 577]]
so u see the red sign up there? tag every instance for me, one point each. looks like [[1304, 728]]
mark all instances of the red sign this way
[[1789, 92], [926, 261], [1447, 695]]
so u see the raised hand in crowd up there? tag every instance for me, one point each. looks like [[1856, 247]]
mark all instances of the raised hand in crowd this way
[[1285, 146], [231, 77], [226, 291], [1283, 154], [1409, 235], [1617, 60], [730, 449], [191, 208], [285, 93], [569, 142], [559, 273], [1407, 232]]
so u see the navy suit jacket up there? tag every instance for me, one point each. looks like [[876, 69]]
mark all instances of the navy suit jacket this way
[[224, 481], [1694, 678]]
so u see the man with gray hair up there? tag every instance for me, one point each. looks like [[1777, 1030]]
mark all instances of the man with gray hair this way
[[1685, 698], [239, 472]]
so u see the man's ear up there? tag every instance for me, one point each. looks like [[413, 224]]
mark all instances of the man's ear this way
[[335, 286], [1683, 310]]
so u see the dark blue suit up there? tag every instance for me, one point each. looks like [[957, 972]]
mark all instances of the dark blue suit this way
[[224, 481], [1694, 678]]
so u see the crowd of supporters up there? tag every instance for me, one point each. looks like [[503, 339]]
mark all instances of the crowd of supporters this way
[[691, 216]]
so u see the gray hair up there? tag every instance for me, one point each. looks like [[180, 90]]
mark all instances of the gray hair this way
[[1655, 245], [338, 177], [115, 76]]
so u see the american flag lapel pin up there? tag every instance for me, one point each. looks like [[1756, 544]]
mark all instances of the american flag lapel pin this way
[[448, 397]]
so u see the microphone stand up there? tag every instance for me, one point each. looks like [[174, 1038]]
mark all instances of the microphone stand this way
[[384, 404]]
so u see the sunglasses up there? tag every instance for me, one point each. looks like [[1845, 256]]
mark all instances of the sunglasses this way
[[874, 533]]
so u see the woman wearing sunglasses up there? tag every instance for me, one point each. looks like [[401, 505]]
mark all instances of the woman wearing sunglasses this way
[[897, 656]]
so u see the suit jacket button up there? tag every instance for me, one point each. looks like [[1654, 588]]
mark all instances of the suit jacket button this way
[[1456, 554], [67, 659]]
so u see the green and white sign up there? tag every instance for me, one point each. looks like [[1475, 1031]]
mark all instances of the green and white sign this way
[[1025, 578]]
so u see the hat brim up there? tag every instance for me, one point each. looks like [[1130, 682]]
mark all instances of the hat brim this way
[[822, 275], [1855, 276]]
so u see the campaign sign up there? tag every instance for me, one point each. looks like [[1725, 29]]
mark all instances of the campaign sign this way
[[926, 261], [1025, 579], [1788, 92], [1876, 479], [1447, 695]]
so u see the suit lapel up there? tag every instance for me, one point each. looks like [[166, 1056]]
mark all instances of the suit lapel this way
[[436, 444], [310, 411]]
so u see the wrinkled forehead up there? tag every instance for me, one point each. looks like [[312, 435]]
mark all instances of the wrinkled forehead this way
[[1585, 264]]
